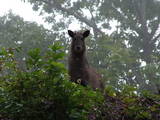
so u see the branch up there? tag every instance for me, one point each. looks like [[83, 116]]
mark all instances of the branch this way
[[58, 6], [119, 13], [155, 27], [142, 16], [155, 39], [94, 22]]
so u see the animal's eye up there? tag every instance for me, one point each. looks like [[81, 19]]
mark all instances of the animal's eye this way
[[74, 39]]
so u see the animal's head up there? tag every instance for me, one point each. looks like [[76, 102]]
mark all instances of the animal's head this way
[[78, 41]]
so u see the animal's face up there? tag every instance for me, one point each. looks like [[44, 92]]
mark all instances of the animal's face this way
[[78, 40]]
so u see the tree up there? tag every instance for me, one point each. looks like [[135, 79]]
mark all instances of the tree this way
[[15, 32], [139, 22], [136, 35]]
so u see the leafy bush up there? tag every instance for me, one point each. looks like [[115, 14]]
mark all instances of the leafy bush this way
[[127, 104], [42, 91]]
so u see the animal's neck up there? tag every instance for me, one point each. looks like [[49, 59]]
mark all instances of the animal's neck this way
[[80, 59]]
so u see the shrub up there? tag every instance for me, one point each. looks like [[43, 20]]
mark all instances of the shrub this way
[[42, 90]]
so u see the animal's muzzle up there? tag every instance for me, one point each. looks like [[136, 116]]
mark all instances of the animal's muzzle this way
[[78, 48]]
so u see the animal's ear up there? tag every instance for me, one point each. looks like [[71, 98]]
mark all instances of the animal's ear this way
[[86, 33], [70, 33]]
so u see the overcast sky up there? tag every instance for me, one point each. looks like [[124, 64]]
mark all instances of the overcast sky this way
[[25, 10], [20, 8]]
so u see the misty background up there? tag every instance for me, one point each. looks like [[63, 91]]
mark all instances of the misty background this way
[[124, 45]]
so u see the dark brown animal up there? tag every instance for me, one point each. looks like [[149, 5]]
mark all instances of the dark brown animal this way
[[79, 69]]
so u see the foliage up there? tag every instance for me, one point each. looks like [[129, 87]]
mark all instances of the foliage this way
[[15, 32], [127, 56], [128, 105], [138, 24], [42, 91], [133, 26]]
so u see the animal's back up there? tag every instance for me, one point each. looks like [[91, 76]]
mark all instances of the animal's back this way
[[95, 79]]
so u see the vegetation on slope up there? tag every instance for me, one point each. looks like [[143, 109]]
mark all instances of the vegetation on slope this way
[[43, 92]]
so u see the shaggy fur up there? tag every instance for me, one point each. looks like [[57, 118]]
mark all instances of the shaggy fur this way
[[79, 69]]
